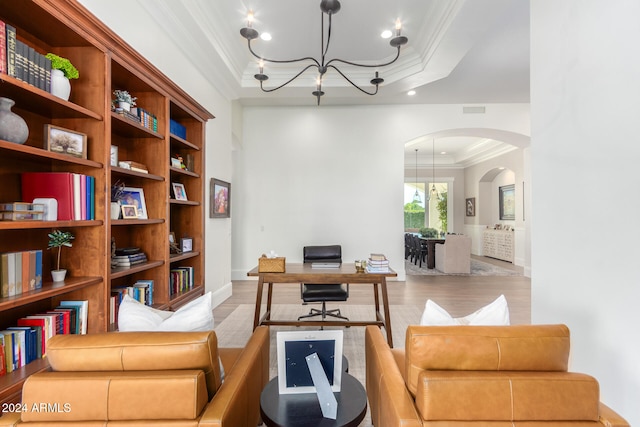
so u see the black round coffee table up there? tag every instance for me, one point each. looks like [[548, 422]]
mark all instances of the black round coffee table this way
[[303, 410]]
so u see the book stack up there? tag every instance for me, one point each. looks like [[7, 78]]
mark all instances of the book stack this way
[[27, 341], [181, 280], [19, 60], [74, 192], [128, 257], [20, 272], [134, 166], [147, 119], [377, 263]]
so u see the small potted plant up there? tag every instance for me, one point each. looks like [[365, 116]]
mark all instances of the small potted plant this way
[[117, 193], [58, 239], [61, 71], [124, 99]]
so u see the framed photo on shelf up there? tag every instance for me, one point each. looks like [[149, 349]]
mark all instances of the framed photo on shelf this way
[[186, 244], [114, 155], [178, 191], [471, 206], [173, 244], [507, 202], [65, 141], [135, 196], [219, 199], [129, 212]]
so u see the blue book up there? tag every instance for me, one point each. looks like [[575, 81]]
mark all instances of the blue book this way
[[39, 269], [31, 336]]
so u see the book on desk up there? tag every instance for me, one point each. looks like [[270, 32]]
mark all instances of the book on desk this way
[[325, 265]]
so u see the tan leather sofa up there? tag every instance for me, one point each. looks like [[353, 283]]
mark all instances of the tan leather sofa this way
[[146, 379], [480, 376], [454, 255]]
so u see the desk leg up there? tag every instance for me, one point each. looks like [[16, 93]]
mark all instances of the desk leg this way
[[256, 318], [269, 292], [376, 298], [387, 316]]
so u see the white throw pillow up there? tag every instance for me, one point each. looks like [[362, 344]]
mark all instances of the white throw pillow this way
[[496, 313], [197, 315]]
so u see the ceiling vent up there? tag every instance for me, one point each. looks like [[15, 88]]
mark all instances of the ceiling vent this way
[[473, 110]]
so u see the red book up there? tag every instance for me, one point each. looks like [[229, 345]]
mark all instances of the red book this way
[[56, 185], [3, 47]]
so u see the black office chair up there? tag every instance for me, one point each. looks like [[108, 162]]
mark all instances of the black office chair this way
[[311, 292]]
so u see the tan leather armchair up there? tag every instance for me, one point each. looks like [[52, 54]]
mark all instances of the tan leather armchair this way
[[498, 376], [146, 378]]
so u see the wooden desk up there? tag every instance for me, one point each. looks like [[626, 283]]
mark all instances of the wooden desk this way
[[303, 273], [431, 250]]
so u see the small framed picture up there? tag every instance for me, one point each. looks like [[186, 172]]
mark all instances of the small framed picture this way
[[129, 212], [471, 206], [219, 199], [65, 141], [114, 155], [178, 191], [176, 163], [135, 196], [172, 237], [507, 196], [186, 244]]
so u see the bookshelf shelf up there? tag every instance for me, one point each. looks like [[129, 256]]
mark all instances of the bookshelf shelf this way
[[105, 63], [183, 256], [184, 202]]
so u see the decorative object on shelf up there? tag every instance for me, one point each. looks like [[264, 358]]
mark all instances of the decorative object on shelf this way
[[135, 196], [471, 206], [507, 202], [21, 211], [176, 163], [50, 207], [173, 244], [219, 199], [61, 72], [13, 128], [114, 156], [117, 194], [178, 191], [129, 212], [124, 99], [58, 239], [65, 141], [186, 244], [328, 7]]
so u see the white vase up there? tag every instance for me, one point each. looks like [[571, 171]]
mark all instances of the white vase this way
[[115, 210], [126, 106], [58, 275], [60, 85]]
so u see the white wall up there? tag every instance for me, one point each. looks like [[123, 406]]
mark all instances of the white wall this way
[[584, 160], [335, 175], [132, 22]]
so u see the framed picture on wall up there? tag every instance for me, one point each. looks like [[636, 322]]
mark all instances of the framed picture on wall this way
[[507, 202], [219, 199], [471, 206]]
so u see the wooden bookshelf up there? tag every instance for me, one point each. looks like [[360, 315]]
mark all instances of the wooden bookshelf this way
[[105, 63]]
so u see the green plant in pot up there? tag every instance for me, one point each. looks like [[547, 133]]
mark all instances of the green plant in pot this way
[[61, 71], [124, 99], [58, 239], [428, 232]]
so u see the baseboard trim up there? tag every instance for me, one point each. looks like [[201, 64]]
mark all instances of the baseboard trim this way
[[221, 295]]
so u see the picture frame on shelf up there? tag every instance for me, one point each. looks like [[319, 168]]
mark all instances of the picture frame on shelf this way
[[219, 199], [114, 156], [65, 141], [135, 196], [507, 198], [179, 192], [471, 206], [176, 163], [173, 244], [186, 244], [129, 212]]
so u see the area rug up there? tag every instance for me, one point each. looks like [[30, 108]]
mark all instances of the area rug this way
[[236, 329], [478, 268]]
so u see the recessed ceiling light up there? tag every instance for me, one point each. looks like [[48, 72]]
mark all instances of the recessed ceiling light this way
[[386, 34], [411, 92], [443, 152], [265, 36]]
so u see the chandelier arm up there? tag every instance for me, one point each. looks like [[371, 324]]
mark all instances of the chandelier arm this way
[[352, 83], [366, 65], [287, 61], [287, 82]]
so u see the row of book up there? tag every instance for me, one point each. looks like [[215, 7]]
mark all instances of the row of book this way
[[377, 263], [74, 192], [180, 280], [147, 119], [141, 291], [19, 60], [27, 341], [20, 272]]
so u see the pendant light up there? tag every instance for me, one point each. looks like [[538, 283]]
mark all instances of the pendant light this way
[[433, 194], [416, 195]]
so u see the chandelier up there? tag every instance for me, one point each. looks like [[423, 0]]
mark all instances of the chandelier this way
[[328, 7]]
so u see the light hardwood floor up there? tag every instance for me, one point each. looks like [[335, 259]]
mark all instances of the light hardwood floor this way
[[459, 295]]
